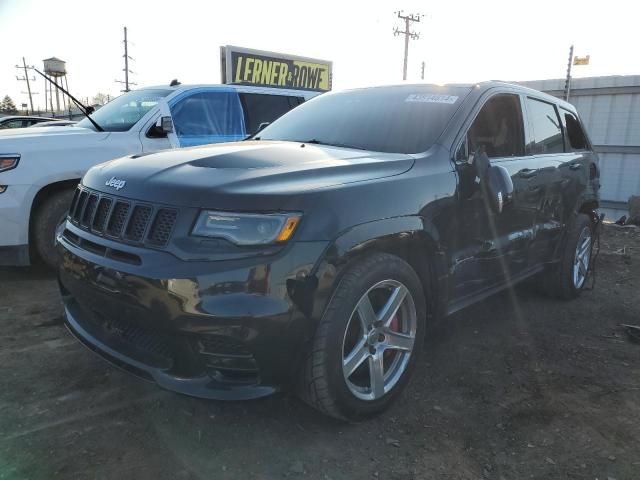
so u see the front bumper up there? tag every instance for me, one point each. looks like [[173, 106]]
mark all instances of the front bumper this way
[[222, 330], [15, 206]]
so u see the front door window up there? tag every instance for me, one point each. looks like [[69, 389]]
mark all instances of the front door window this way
[[498, 128], [208, 117]]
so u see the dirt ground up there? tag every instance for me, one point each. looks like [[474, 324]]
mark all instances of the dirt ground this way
[[516, 387]]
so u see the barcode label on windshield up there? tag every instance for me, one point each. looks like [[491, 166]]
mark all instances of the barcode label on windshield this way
[[431, 98]]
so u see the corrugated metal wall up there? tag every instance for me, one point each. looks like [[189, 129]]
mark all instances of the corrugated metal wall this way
[[610, 110]]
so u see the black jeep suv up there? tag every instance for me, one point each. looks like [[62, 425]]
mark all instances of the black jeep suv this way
[[312, 256]]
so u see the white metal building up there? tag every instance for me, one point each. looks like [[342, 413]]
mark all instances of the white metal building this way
[[610, 110]]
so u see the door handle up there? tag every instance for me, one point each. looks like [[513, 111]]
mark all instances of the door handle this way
[[575, 166], [528, 172]]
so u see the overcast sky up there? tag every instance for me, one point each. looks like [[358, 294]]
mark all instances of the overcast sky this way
[[461, 41]]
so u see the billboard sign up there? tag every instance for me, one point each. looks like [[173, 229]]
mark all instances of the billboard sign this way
[[243, 66]]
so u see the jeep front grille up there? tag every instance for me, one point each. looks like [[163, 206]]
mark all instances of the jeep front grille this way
[[121, 219]]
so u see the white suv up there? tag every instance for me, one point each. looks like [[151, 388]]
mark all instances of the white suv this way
[[40, 167]]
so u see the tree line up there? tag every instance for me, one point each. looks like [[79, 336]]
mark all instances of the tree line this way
[[7, 106]]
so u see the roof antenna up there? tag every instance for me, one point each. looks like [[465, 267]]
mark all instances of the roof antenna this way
[[174, 83]]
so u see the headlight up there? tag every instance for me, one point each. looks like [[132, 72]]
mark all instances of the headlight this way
[[247, 228], [8, 161]]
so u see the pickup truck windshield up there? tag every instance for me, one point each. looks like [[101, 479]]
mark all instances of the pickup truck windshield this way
[[406, 119], [122, 113]]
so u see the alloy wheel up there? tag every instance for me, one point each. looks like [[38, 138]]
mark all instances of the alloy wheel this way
[[379, 340], [582, 258]]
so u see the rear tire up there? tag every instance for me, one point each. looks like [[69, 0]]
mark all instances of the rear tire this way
[[379, 346], [568, 277], [48, 218]]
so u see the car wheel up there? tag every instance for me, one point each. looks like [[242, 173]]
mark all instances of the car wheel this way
[[368, 340], [48, 221], [568, 278]]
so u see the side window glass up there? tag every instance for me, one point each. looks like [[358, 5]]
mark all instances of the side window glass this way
[[260, 108], [498, 128], [575, 135], [547, 133], [208, 117]]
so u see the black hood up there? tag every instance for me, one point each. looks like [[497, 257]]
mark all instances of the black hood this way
[[219, 175]]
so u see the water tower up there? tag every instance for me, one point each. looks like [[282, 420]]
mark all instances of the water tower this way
[[57, 70]]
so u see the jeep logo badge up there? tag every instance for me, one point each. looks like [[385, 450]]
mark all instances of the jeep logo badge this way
[[115, 183]]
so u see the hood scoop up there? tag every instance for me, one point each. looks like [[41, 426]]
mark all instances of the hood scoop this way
[[269, 155], [234, 161]]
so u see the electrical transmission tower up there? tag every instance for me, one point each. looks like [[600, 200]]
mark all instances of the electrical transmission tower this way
[[26, 78], [408, 34], [126, 70]]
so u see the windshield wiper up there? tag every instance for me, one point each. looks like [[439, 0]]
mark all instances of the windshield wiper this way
[[85, 110], [315, 141]]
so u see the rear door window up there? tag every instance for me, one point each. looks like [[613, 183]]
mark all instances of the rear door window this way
[[576, 139], [546, 133], [260, 108], [498, 128]]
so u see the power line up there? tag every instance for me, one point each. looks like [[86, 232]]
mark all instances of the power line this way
[[408, 34], [126, 70], [27, 79]]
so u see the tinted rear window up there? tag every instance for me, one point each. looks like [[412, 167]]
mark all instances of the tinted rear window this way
[[260, 108], [575, 134], [395, 120]]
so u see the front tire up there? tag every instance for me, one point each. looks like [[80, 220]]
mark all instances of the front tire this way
[[367, 343], [48, 219]]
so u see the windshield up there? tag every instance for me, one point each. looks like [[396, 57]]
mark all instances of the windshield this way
[[407, 119], [123, 112]]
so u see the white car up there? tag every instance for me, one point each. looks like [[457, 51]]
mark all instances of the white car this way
[[40, 167]]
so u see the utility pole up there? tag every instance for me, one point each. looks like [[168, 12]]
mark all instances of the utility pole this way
[[422, 71], [408, 19], [26, 79], [126, 65], [567, 83], [126, 61]]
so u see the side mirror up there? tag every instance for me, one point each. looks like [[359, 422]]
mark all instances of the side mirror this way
[[498, 187], [166, 125], [495, 181]]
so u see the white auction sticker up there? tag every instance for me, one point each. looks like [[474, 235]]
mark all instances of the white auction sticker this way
[[431, 98]]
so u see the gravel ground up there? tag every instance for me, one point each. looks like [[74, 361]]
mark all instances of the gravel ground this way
[[518, 386]]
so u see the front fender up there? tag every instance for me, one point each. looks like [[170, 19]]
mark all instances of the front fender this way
[[413, 238], [364, 236]]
